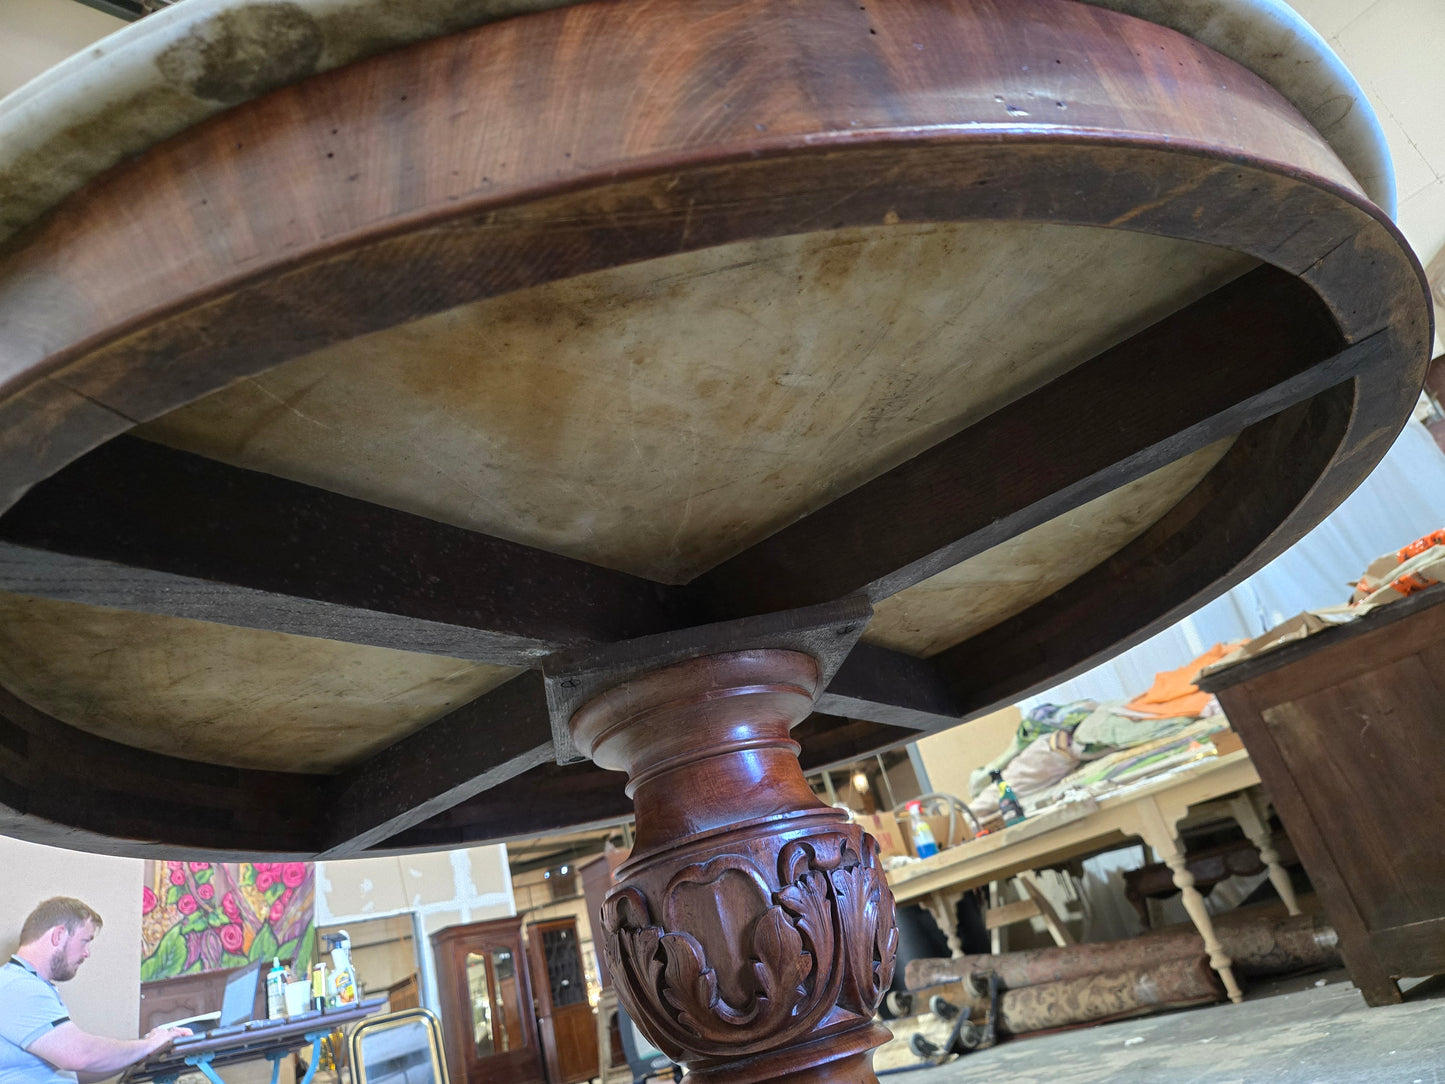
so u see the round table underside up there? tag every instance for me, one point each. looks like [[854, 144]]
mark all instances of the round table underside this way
[[1030, 328]]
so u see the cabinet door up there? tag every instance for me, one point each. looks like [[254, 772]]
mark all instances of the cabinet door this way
[[564, 1015]]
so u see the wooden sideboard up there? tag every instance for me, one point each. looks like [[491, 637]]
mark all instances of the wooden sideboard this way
[[1347, 731]]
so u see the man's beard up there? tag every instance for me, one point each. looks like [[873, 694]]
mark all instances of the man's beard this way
[[60, 968]]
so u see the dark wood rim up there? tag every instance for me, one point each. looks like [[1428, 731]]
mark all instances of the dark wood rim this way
[[137, 294]]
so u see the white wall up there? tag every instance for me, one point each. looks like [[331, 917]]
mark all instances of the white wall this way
[[38, 34], [104, 997]]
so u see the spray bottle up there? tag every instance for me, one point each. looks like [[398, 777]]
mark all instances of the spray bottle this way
[[343, 974], [1009, 807]]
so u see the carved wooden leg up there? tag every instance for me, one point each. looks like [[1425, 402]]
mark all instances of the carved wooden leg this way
[[751, 933], [1249, 817], [1159, 832]]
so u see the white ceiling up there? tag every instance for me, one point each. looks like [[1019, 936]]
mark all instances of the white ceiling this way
[[1396, 48]]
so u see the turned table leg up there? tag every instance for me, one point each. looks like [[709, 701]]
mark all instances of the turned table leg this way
[[1159, 832], [751, 933], [1248, 815]]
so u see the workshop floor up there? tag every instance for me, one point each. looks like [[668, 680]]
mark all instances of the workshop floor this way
[[1290, 1032]]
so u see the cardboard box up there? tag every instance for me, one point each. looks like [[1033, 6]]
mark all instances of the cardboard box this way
[[886, 829]]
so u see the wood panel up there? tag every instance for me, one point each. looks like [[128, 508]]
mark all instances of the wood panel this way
[[662, 416], [982, 591], [221, 694], [1345, 729], [250, 549]]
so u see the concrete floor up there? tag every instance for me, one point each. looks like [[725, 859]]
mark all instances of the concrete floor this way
[[1291, 1032]]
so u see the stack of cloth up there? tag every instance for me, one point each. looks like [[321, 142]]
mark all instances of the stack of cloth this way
[[1088, 744]]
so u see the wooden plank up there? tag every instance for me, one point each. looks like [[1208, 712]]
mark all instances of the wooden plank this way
[[1047, 453], [1295, 811], [829, 741], [1204, 544], [1006, 914], [1417, 948], [481, 744], [134, 525], [892, 688], [547, 798], [63, 787]]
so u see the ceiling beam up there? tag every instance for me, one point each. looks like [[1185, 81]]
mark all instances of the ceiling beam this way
[[138, 526], [1104, 423]]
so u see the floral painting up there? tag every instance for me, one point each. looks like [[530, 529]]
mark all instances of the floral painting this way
[[200, 916]]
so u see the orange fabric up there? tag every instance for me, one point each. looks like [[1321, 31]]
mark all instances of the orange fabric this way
[[1174, 692], [1420, 545]]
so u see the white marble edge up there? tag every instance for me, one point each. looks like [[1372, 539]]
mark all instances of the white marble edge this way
[[45, 153]]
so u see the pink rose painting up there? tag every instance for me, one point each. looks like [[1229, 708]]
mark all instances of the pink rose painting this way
[[202, 916]]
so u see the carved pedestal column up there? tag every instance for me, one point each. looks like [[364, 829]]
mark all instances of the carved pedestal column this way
[[751, 933]]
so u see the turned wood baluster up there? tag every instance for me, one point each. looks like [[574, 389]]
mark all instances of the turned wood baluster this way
[[751, 934]]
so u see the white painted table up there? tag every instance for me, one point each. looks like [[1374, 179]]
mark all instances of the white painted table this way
[[1151, 810]]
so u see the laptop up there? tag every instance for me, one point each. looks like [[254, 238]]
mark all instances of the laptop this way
[[238, 1007]]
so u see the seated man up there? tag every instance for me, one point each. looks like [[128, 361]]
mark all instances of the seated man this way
[[39, 1044]]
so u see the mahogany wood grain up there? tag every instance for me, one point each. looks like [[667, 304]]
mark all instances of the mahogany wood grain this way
[[547, 146], [751, 933]]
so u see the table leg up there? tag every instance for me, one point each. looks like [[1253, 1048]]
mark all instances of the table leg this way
[[1160, 832], [203, 1063], [1243, 809], [751, 933], [1052, 922], [277, 1057], [315, 1038]]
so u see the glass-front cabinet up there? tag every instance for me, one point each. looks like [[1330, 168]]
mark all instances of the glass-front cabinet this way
[[487, 1013]]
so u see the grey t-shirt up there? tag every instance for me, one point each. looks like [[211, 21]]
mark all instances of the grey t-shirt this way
[[29, 1008]]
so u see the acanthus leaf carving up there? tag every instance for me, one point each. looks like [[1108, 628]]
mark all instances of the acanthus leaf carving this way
[[870, 936]]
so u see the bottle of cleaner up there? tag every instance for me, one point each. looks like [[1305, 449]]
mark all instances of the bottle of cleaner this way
[[343, 973], [276, 990], [924, 845], [1009, 807]]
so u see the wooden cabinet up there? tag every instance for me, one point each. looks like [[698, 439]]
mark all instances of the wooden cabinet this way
[[1347, 730], [564, 1015], [485, 989]]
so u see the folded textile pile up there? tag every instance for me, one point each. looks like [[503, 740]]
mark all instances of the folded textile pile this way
[[1388, 579], [1054, 742]]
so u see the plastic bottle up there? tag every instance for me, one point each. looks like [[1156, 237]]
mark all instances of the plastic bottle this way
[[276, 990], [924, 844], [1008, 803], [318, 986], [342, 971]]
